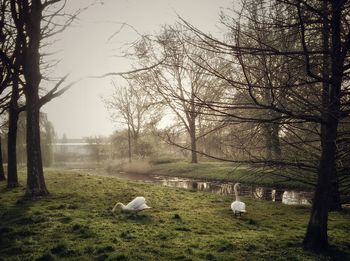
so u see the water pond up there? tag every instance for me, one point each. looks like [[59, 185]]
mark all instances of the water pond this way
[[290, 197]]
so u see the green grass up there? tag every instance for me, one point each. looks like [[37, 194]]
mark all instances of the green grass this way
[[224, 171], [75, 223]]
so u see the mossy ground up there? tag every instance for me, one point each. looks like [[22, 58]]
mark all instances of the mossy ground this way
[[75, 223]]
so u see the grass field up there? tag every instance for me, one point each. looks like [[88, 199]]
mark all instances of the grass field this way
[[75, 223]]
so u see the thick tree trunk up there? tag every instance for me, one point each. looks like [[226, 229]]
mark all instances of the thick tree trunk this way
[[335, 203], [2, 172], [12, 176], [35, 174], [326, 72], [316, 238]]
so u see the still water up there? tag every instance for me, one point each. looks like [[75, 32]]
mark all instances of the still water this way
[[290, 197]]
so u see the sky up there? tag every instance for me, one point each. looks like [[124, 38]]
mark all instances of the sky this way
[[84, 50]]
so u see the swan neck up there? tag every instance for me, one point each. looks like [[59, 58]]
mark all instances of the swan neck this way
[[236, 192], [117, 205]]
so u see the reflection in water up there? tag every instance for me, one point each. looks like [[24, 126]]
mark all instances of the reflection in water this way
[[293, 197], [289, 197]]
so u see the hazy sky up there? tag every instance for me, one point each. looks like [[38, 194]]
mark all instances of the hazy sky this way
[[85, 50]]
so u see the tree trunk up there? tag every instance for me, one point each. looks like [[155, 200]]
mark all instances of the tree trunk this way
[[272, 140], [326, 72], [275, 141], [12, 176], [268, 140], [316, 238], [136, 145], [129, 143], [2, 172], [35, 174], [194, 158], [279, 195], [335, 203]]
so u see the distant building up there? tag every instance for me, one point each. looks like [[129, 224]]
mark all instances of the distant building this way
[[78, 147]]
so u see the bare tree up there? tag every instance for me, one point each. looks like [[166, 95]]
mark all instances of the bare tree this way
[[14, 110], [32, 26], [320, 57], [134, 107], [4, 76], [177, 81], [10, 76]]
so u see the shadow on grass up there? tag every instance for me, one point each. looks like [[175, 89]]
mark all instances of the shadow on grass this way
[[139, 218], [23, 220], [15, 223], [334, 253]]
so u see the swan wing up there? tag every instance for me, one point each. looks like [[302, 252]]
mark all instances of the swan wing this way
[[238, 206], [143, 207], [243, 207], [136, 203]]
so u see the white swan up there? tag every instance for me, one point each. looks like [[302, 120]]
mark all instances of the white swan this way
[[136, 205], [237, 206]]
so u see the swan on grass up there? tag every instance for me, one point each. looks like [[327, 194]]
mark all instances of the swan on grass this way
[[237, 206], [136, 205]]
